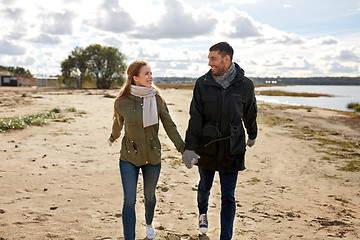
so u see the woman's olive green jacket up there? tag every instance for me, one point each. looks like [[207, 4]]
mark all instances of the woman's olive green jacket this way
[[141, 145]]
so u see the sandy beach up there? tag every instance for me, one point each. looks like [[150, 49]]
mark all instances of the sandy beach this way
[[62, 181]]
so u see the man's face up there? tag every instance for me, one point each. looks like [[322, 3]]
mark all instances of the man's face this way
[[219, 65]]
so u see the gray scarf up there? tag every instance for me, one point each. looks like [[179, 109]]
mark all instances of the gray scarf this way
[[224, 80], [150, 112]]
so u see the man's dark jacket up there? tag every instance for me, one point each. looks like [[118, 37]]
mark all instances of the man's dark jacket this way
[[215, 131]]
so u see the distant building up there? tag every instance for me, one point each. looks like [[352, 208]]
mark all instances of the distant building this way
[[6, 73], [45, 82], [8, 81], [271, 82], [26, 82]]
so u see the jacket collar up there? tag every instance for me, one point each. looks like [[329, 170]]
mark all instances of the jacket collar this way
[[134, 98]]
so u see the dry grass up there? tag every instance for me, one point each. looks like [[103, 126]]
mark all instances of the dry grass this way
[[290, 94]]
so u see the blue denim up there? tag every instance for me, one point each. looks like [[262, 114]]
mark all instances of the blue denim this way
[[228, 207], [129, 177]]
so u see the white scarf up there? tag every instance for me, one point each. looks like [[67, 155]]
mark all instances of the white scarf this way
[[150, 113]]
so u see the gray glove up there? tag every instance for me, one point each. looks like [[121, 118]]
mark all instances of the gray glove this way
[[250, 142], [190, 158]]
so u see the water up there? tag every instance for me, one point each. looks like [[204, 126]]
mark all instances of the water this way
[[343, 95]]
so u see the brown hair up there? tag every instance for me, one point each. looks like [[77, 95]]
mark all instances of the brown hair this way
[[132, 71], [224, 49]]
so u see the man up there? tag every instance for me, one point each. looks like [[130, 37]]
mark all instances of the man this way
[[223, 100]]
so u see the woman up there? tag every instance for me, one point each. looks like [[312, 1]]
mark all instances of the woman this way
[[138, 107]]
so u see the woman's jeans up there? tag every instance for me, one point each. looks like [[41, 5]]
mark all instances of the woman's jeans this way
[[228, 207], [129, 176]]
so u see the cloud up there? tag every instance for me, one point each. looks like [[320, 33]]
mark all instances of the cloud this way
[[240, 1], [177, 23], [7, 48], [113, 42], [244, 26], [28, 61], [13, 14], [17, 35], [58, 23], [111, 17], [46, 39], [7, 2], [145, 54], [288, 39], [337, 67], [328, 40], [240, 25], [349, 55]]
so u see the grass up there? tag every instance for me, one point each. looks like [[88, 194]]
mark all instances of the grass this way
[[253, 180], [290, 94], [355, 106], [274, 121], [175, 85], [330, 176], [266, 106], [351, 166], [38, 119], [336, 149]]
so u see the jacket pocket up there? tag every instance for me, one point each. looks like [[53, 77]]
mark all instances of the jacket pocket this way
[[207, 141], [210, 104], [237, 139], [155, 147], [130, 147]]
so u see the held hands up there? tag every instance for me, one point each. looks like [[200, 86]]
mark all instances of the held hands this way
[[250, 142], [190, 158]]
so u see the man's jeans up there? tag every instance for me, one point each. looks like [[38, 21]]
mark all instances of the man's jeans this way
[[129, 177], [228, 208]]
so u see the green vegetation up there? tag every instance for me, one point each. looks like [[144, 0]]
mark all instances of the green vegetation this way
[[253, 180], [290, 94], [175, 80], [330, 176], [355, 106], [274, 121], [265, 106], [336, 149], [17, 71], [38, 119], [175, 85], [104, 65], [351, 166]]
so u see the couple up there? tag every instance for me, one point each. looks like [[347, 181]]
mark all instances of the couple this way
[[223, 100]]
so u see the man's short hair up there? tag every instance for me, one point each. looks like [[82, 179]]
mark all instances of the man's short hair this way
[[224, 49]]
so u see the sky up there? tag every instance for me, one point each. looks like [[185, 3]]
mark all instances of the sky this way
[[271, 38]]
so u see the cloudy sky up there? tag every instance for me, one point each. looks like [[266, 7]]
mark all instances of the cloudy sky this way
[[289, 38]]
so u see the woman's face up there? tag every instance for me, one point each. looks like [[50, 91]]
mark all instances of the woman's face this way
[[145, 78]]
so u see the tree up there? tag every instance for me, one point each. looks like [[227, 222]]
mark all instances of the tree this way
[[17, 71], [104, 64]]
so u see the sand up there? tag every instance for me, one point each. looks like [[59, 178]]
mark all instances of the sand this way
[[62, 181]]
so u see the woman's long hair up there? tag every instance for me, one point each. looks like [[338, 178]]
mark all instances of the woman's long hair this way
[[132, 71]]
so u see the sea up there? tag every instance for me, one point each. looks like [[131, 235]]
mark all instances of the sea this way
[[342, 96]]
